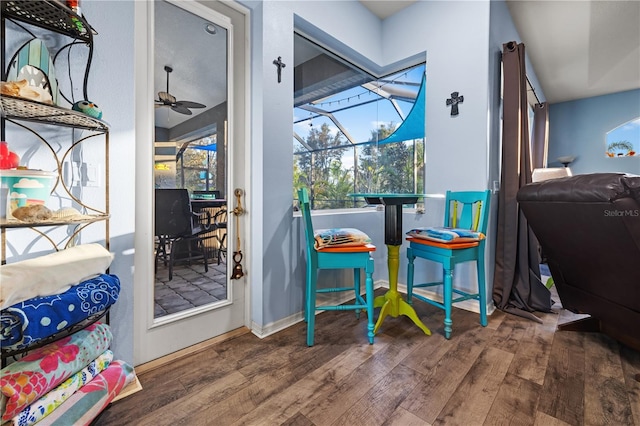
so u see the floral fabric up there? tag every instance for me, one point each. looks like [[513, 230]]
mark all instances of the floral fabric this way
[[26, 380], [51, 400], [85, 405]]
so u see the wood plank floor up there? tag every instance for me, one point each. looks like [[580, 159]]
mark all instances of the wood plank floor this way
[[514, 371]]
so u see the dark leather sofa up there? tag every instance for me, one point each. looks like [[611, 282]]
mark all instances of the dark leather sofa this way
[[589, 229]]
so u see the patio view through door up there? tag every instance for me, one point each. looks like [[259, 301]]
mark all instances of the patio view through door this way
[[195, 72]]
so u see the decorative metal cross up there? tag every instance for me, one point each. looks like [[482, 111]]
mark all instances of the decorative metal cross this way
[[278, 63], [454, 101]]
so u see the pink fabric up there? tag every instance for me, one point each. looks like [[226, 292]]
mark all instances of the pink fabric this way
[[51, 400], [85, 405], [26, 380]]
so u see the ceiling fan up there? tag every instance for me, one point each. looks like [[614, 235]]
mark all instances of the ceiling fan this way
[[167, 99]]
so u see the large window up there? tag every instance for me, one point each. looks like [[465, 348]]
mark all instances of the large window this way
[[342, 119], [192, 165], [197, 165]]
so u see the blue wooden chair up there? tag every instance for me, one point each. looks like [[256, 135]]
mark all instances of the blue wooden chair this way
[[463, 210], [341, 257]]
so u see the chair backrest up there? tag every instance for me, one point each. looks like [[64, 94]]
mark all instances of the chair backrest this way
[[173, 213], [468, 210], [303, 197]]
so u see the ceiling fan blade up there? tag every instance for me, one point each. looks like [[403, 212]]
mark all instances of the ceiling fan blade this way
[[166, 97], [181, 109], [190, 104]]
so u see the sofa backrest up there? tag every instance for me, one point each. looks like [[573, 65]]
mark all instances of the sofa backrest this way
[[589, 229]]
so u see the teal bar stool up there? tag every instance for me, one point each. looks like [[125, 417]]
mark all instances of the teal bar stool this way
[[460, 240], [354, 257]]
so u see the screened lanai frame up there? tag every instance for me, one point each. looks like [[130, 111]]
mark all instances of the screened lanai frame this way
[[343, 117]]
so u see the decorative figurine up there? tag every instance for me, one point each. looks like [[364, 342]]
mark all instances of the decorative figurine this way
[[89, 108], [8, 159]]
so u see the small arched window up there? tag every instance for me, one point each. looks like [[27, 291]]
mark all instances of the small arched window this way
[[624, 140]]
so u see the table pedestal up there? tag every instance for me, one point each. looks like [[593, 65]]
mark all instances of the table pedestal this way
[[392, 302]]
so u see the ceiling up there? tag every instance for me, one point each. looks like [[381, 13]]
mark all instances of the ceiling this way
[[198, 60], [578, 49], [581, 49], [384, 9]]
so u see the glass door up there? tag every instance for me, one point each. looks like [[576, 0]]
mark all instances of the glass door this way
[[189, 298]]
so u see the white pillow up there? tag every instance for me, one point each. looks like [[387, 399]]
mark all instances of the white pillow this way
[[51, 274]]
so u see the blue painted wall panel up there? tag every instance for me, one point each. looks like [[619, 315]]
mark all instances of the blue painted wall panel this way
[[580, 127]]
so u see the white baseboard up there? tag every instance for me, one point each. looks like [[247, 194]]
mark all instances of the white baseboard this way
[[467, 305], [338, 298], [329, 299]]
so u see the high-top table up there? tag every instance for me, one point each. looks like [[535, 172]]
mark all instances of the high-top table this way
[[392, 302]]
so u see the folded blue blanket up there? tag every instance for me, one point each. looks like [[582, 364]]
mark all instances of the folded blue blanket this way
[[446, 235], [28, 322]]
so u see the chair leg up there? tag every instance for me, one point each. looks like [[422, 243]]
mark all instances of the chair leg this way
[[203, 250], [410, 267], [171, 257], [482, 290], [356, 288], [161, 252], [311, 303], [155, 265], [369, 291], [163, 243], [447, 294], [310, 276], [189, 254], [221, 247]]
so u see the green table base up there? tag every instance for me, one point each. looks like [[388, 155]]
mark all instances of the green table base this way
[[391, 302]]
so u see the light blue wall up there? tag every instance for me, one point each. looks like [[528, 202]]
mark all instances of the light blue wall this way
[[457, 147], [277, 267], [461, 151], [457, 61], [111, 86], [579, 128]]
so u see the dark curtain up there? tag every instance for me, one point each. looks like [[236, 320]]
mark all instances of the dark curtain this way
[[517, 288], [540, 135]]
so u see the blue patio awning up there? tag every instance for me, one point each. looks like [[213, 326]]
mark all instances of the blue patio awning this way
[[413, 126], [210, 147]]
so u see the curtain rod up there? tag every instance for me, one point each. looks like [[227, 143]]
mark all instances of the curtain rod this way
[[533, 90]]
